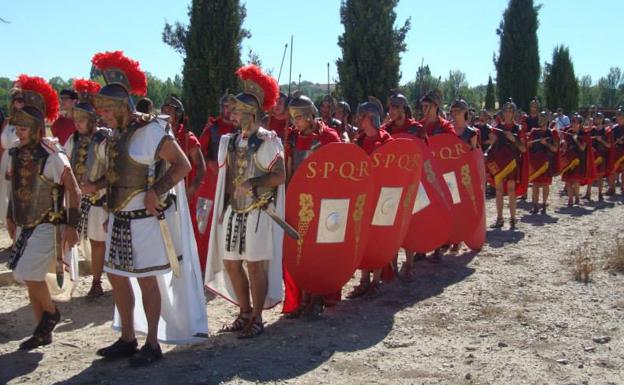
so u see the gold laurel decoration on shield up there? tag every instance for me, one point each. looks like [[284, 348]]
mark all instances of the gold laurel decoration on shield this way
[[357, 218], [306, 215], [467, 182]]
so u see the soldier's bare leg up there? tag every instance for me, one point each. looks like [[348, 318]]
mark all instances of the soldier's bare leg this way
[[150, 295], [240, 283], [40, 298], [124, 300], [259, 282], [97, 266]]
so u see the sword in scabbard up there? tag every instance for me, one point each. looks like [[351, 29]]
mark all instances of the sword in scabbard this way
[[58, 244]]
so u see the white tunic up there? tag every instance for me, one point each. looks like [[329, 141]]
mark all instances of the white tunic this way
[[265, 244], [7, 140], [97, 215]]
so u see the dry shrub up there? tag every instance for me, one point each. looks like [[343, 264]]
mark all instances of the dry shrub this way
[[615, 257], [582, 265]]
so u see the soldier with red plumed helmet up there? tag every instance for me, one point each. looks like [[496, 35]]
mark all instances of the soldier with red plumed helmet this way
[[251, 180], [149, 238], [86, 149], [41, 177]]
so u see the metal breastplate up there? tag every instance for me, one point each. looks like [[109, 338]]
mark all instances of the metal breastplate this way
[[126, 177], [242, 165], [33, 196], [80, 152]]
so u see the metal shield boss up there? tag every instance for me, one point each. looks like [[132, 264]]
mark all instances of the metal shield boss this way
[[431, 222], [330, 202], [397, 168], [460, 171]]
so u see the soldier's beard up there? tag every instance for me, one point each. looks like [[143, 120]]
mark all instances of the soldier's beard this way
[[247, 124]]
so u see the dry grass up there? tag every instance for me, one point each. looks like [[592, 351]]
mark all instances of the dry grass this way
[[582, 265], [615, 257]]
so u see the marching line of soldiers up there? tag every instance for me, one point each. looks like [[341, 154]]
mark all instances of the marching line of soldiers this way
[[166, 214]]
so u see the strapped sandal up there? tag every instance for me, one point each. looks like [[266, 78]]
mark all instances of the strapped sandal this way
[[500, 222], [544, 209], [600, 198], [512, 223], [577, 201], [43, 332], [238, 325], [359, 290], [535, 209], [253, 329], [405, 273]]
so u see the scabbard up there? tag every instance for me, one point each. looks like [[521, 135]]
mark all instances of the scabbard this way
[[169, 247]]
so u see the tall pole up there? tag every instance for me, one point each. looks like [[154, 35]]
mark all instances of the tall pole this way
[[290, 69], [299, 85], [282, 65], [328, 93]]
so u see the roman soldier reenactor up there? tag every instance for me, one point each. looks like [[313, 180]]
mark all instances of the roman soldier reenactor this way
[[347, 130], [249, 186], [432, 122], [504, 162], [577, 159], [371, 135], [278, 120], [7, 138], [400, 118], [149, 238], [468, 134], [327, 108], [209, 145], [86, 150], [617, 151], [543, 146], [174, 109], [602, 141], [307, 135], [64, 127], [42, 224]]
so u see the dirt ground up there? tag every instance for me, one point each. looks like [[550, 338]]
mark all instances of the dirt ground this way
[[511, 314]]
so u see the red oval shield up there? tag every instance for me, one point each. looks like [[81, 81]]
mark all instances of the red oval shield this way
[[431, 222], [397, 167], [203, 214], [330, 202], [460, 171], [476, 239]]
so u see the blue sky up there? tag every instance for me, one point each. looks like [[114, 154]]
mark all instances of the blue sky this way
[[49, 38]]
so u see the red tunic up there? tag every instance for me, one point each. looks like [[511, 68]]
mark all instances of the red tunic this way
[[369, 144], [63, 128], [279, 125], [188, 142], [410, 126], [439, 126], [302, 144]]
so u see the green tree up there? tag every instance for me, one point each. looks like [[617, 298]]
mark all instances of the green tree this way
[[211, 46], [490, 98], [587, 93], [610, 88], [518, 65], [455, 87], [371, 49], [560, 84], [423, 83]]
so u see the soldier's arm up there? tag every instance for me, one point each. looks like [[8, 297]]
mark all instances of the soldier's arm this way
[[275, 177], [180, 166], [197, 159]]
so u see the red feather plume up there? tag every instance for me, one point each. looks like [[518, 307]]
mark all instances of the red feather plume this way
[[116, 59], [41, 86], [266, 82], [86, 86]]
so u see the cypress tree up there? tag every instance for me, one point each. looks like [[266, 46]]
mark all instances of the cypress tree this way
[[371, 48], [211, 46], [490, 98], [518, 64], [560, 84]]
